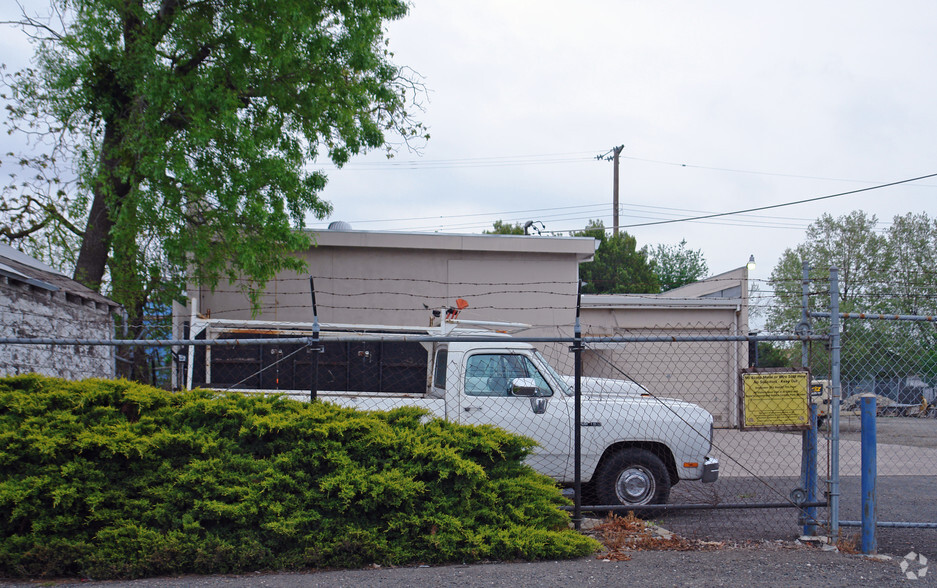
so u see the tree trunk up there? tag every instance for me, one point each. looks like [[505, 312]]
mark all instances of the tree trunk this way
[[109, 193], [140, 367]]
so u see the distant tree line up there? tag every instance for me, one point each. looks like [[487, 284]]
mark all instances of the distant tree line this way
[[881, 270], [620, 267]]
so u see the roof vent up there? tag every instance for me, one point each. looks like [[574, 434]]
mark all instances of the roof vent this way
[[339, 226]]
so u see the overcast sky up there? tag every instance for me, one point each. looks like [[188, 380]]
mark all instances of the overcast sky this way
[[721, 106]]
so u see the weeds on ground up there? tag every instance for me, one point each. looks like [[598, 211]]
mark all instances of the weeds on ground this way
[[621, 535], [848, 544]]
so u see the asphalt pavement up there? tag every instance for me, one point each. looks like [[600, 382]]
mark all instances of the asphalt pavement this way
[[770, 564]]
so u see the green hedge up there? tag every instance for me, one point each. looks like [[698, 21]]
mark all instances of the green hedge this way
[[112, 479]]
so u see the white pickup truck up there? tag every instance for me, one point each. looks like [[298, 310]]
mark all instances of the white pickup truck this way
[[634, 448]]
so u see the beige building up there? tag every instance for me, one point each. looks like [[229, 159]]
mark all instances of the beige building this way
[[370, 277], [703, 372], [387, 278]]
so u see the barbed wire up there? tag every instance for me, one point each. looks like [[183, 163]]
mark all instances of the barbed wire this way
[[304, 281]]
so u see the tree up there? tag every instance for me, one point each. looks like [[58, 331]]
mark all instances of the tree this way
[[502, 228], [911, 288], [911, 263], [776, 355], [849, 243], [676, 266], [192, 129], [879, 273], [618, 266]]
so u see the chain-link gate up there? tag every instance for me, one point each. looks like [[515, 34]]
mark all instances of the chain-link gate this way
[[891, 358], [761, 492]]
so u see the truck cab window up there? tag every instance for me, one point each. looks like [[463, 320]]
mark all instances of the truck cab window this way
[[491, 374], [439, 371]]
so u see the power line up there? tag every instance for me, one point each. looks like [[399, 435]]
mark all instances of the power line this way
[[753, 172], [499, 160], [469, 162], [599, 208], [481, 214], [772, 206], [562, 157], [567, 220]]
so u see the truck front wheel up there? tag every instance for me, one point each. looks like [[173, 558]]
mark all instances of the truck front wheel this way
[[633, 477]]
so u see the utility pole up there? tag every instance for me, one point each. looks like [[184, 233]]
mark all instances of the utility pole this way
[[616, 152]]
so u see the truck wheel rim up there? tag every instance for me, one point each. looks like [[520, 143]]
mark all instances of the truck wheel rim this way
[[635, 485]]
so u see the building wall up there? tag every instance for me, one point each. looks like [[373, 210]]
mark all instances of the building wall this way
[[705, 373], [395, 279], [34, 312]]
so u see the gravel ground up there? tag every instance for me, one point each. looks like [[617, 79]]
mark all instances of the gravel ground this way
[[765, 565]]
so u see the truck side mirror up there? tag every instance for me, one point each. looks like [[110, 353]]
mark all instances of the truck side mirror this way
[[524, 387]]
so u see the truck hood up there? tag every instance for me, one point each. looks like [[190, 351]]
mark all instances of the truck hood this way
[[609, 390], [603, 387]]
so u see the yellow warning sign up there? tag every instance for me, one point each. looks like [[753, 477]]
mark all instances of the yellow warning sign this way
[[776, 399]]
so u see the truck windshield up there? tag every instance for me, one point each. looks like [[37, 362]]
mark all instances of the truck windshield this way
[[553, 373]]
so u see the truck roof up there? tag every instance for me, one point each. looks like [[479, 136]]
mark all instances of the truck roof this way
[[452, 327]]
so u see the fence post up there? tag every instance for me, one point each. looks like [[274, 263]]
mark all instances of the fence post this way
[[190, 357], [809, 470], [804, 326], [577, 423], [314, 386], [869, 457], [834, 402], [809, 448]]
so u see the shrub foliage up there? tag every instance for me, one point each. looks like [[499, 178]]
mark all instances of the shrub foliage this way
[[112, 479]]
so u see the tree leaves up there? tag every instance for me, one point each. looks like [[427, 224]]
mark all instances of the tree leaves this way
[[194, 128], [676, 266], [888, 271], [618, 267]]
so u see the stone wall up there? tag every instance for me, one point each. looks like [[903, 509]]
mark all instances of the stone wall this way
[[28, 311]]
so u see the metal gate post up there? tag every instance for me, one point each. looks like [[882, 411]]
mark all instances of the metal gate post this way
[[314, 346], [804, 327], [835, 397], [869, 459], [577, 422], [809, 468]]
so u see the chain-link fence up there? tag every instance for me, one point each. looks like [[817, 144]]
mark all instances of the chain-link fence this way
[[646, 435], [892, 357], [760, 493], [659, 405]]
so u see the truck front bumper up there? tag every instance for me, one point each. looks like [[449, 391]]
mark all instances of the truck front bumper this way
[[710, 469]]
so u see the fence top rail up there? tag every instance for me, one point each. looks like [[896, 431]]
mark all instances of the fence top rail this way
[[414, 338], [877, 316]]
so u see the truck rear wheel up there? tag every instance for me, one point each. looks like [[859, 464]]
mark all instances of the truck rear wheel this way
[[633, 477]]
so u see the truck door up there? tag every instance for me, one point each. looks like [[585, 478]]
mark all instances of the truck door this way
[[487, 398]]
